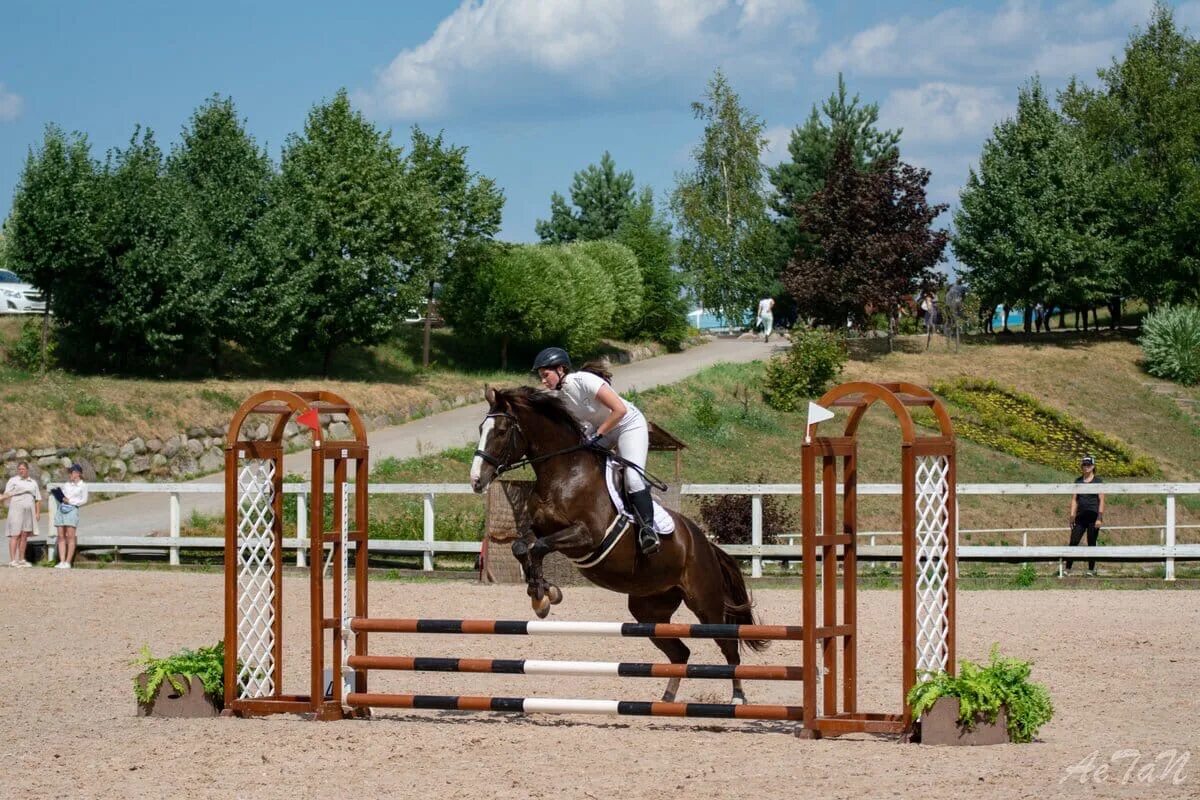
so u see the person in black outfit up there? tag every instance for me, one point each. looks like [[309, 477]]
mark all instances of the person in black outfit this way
[[1087, 512]]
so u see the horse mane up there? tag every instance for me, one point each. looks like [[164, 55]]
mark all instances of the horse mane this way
[[545, 404]]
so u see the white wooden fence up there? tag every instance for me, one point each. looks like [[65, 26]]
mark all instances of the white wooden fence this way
[[1167, 551]]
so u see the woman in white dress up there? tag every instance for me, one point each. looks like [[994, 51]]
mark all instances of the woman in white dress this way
[[24, 498], [609, 420]]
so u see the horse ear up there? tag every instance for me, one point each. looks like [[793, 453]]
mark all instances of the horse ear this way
[[489, 394]]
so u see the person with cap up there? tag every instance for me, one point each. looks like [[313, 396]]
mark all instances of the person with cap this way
[[1087, 512], [24, 498], [608, 421], [66, 516]]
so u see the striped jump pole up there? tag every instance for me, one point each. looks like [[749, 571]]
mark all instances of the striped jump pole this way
[[549, 705], [498, 627], [598, 668]]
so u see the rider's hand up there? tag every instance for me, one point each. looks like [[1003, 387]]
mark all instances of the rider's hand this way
[[599, 440]]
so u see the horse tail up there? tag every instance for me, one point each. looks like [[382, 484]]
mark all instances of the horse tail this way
[[739, 605]]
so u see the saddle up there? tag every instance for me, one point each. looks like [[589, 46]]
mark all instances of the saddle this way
[[623, 520]]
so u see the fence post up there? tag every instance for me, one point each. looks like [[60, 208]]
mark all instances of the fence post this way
[[756, 537], [173, 558], [301, 527], [428, 555], [1169, 568]]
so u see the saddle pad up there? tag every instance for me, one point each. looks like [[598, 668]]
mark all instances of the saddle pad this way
[[664, 523]]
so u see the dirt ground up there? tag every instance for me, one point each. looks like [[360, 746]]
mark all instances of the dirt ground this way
[[1123, 668]]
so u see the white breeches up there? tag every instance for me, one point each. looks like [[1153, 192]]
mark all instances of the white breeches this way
[[633, 443]]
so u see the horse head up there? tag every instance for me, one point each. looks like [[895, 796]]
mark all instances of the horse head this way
[[501, 440], [519, 423]]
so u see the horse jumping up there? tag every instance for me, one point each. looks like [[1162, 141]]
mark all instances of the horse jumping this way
[[571, 513]]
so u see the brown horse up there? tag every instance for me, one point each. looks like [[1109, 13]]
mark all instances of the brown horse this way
[[571, 512]]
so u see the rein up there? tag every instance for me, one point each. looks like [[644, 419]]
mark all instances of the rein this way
[[508, 466]]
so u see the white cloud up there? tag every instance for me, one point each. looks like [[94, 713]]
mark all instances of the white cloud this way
[[504, 54], [11, 104], [777, 137], [1008, 43], [943, 112]]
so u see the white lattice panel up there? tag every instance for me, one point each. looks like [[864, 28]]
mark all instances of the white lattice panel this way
[[256, 578], [347, 609], [933, 565]]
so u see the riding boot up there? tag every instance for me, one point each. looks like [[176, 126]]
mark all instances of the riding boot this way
[[643, 511]]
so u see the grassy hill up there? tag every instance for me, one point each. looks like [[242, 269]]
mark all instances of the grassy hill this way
[[65, 409], [733, 437]]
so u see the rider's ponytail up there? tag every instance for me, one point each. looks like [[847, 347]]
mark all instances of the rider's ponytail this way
[[599, 369]]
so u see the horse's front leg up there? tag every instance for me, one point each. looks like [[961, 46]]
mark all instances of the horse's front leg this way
[[542, 593]]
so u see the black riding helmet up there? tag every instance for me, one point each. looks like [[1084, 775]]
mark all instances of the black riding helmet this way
[[550, 358]]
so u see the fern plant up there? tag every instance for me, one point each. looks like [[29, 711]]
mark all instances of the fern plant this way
[[982, 690], [205, 663]]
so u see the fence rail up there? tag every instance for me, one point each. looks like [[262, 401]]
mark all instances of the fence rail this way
[[1167, 552]]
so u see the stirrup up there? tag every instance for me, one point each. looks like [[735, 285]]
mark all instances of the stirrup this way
[[649, 541]]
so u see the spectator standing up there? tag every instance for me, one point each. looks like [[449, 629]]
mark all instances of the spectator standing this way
[[66, 517], [1087, 512], [766, 317], [24, 498]]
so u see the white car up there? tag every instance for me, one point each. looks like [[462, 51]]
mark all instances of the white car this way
[[18, 297]]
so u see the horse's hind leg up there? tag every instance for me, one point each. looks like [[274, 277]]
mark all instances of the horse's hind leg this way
[[712, 612], [660, 608]]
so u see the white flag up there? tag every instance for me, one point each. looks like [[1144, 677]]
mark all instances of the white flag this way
[[817, 413]]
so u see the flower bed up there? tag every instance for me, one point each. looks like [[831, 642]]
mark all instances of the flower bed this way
[[1014, 423]]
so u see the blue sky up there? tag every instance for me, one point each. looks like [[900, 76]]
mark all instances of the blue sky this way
[[538, 89]]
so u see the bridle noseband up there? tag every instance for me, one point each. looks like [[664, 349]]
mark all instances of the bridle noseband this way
[[506, 465]]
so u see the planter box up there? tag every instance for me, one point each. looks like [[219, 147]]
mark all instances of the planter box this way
[[940, 726], [169, 702]]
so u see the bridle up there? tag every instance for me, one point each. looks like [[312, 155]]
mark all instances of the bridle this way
[[505, 464]]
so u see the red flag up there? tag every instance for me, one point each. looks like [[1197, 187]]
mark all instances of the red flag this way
[[309, 419]]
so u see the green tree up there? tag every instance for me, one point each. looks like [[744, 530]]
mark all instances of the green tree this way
[[1031, 224], [811, 147], [134, 309], [225, 180], [1144, 125], [725, 236], [50, 233], [540, 295], [467, 206], [873, 240], [647, 233], [621, 266], [348, 227], [603, 198]]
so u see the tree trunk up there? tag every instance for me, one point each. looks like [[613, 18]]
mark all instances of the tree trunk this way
[[45, 334], [327, 360], [504, 352], [1028, 318], [428, 327]]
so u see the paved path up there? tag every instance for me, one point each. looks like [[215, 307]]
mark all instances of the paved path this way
[[144, 514]]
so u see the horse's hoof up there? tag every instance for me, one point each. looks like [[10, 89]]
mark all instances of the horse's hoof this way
[[541, 607], [738, 699], [555, 594]]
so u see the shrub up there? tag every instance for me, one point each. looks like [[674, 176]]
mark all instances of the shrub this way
[[983, 690], [813, 361], [727, 517], [1171, 344], [621, 266], [26, 352]]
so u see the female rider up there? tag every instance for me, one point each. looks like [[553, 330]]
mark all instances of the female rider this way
[[608, 420]]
